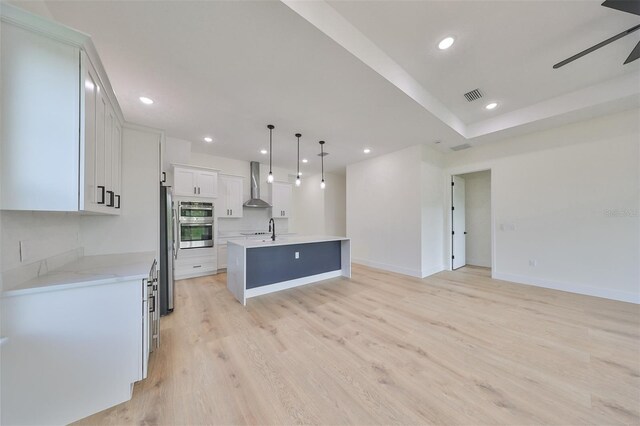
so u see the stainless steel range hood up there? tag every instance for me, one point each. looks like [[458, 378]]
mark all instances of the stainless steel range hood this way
[[255, 201]]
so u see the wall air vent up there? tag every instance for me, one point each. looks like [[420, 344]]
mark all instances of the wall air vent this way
[[460, 147], [473, 95]]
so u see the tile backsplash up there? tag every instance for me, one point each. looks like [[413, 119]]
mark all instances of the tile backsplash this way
[[252, 220]]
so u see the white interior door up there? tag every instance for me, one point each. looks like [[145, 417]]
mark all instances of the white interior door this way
[[458, 236]]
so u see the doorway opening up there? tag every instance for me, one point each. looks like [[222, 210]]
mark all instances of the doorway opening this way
[[471, 239]]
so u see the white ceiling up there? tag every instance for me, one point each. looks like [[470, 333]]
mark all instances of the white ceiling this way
[[227, 69], [505, 48]]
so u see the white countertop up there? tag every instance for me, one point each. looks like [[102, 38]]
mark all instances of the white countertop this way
[[285, 240], [89, 270]]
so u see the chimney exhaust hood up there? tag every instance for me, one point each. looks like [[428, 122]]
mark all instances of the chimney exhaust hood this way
[[255, 201]]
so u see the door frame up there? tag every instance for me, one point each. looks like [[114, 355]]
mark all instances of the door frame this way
[[448, 214]]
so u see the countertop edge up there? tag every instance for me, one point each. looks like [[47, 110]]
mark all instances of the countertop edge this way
[[104, 277]]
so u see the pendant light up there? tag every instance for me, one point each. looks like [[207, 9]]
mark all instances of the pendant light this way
[[270, 177], [322, 184], [298, 182]]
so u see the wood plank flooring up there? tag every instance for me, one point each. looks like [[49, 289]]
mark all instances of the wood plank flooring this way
[[382, 348]]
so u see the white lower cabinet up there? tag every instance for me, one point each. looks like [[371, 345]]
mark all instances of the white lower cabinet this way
[[195, 266], [72, 352], [222, 256]]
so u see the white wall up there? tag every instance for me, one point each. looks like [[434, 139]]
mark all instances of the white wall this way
[[335, 205], [567, 198], [309, 203], [384, 211], [137, 227], [321, 211], [478, 218], [47, 233], [432, 211]]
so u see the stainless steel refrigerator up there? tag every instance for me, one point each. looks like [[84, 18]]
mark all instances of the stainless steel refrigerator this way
[[167, 249]]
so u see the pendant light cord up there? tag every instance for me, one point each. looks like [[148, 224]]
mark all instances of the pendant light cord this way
[[322, 157], [270, 148], [298, 155]]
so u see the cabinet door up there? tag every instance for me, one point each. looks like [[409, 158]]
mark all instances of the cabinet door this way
[[281, 199], [222, 202], [184, 182], [235, 197], [222, 256], [116, 164], [100, 163], [90, 87], [207, 183], [109, 125]]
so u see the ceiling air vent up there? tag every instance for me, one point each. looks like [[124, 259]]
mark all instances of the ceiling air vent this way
[[460, 147], [473, 95]]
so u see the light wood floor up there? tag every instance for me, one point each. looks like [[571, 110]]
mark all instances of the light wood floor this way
[[381, 348]]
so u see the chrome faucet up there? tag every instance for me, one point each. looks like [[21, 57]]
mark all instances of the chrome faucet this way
[[272, 229]]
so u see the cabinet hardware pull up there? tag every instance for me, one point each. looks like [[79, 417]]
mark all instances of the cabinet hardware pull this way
[[194, 190], [102, 194], [198, 190], [111, 199], [152, 308], [164, 177], [118, 197], [197, 266]]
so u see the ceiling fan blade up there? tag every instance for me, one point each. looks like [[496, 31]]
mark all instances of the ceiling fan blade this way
[[631, 6], [635, 54], [596, 47]]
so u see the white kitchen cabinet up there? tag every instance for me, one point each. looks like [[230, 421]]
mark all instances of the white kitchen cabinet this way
[[194, 182], [74, 348], [230, 196], [222, 256], [280, 196], [51, 89], [195, 266]]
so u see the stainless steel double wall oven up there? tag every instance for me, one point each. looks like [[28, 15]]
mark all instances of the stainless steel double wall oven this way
[[196, 224]]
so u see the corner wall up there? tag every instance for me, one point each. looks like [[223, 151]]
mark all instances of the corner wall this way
[[384, 211], [567, 200]]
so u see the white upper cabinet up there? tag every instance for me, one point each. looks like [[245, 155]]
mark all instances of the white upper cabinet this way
[[61, 126], [195, 182], [281, 194], [230, 196]]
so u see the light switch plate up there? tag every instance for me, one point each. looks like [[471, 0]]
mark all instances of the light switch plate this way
[[297, 255]]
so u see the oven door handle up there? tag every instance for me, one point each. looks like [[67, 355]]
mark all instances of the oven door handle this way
[[196, 224]]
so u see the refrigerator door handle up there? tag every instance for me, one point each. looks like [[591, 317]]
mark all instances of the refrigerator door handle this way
[[175, 235]]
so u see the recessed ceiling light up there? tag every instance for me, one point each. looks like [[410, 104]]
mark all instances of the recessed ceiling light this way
[[304, 160], [366, 150], [263, 151], [208, 139], [492, 105], [145, 100], [446, 43]]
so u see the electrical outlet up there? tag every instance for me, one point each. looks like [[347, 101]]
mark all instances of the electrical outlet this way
[[533, 262], [24, 253], [297, 255]]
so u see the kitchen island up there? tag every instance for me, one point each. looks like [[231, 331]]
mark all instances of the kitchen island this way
[[257, 267]]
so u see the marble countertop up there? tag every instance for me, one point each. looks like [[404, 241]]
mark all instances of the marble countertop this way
[[89, 270], [285, 240]]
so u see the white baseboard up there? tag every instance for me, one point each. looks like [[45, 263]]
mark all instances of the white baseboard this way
[[478, 262], [265, 289], [432, 270], [622, 296], [391, 268]]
